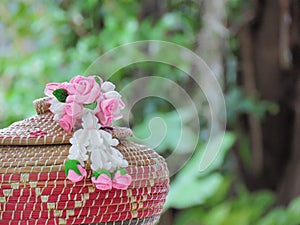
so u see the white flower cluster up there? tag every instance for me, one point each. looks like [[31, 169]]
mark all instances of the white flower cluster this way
[[98, 143]]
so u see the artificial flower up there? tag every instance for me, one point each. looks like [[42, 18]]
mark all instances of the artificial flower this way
[[121, 180], [102, 180], [85, 89], [75, 177], [66, 123]]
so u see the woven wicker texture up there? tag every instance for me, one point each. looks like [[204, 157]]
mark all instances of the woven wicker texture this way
[[34, 188]]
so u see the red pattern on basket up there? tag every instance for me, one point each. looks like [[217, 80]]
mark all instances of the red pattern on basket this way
[[28, 202], [38, 133], [76, 220]]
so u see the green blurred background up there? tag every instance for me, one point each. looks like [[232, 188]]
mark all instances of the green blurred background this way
[[253, 47]]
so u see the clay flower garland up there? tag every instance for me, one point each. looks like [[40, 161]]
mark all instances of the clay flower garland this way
[[83, 106]]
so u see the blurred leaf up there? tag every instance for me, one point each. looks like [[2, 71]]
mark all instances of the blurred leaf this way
[[294, 211], [190, 187], [245, 209], [167, 132], [278, 216], [192, 192], [191, 216], [238, 102]]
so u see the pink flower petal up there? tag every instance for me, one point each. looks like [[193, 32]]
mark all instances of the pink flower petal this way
[[73, 109], [103, 182], [82, 170], [50, 87], [74, 177], [67, 123], [121, 182], [85, 89]]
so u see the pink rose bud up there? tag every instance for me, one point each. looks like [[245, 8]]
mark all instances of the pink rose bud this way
[[121, 182], [66, 122], [103, 182], [74, 177]]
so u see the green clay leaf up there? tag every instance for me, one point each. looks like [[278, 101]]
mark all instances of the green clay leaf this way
[[91, 106], [97, 173], [97, 79], [72, 165], [123, 171], [60, 94]]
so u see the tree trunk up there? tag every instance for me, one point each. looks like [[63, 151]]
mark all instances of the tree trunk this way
[[269, 68], [290, 185]]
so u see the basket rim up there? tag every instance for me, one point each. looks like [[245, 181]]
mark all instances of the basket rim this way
[[42, 129]]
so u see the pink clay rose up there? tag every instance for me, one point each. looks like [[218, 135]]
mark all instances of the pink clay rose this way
[[110, 110], [73, 109], [50, 87], [74, 177], [85, 89], [103, 182], [105, 120], [67, 123], [121, 181]]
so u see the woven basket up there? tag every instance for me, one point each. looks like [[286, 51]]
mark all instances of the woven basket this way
[[34, 188]]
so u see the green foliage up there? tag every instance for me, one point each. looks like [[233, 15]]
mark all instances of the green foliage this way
[[72, 165], [168, 130], [51, 41], [281, 216], [238, 102], [245, 209], [91, 106], [97, 173], [192, 187], [60, 94]]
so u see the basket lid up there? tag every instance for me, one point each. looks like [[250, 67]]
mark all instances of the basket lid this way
[[41, 129]]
